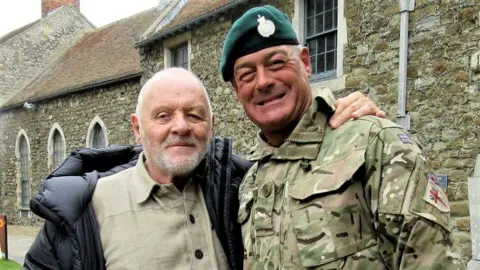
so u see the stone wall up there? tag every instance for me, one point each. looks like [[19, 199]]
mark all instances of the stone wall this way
[[443, 87], [73, 113], [24, 56]]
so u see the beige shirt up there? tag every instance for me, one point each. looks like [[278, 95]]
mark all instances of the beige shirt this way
[[145, 225]]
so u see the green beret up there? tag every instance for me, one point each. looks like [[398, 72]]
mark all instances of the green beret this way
[[259, 28]]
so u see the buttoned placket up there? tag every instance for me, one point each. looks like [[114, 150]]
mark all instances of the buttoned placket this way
[[199, 243]]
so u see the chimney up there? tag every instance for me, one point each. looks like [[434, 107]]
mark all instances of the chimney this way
[[48, 6]]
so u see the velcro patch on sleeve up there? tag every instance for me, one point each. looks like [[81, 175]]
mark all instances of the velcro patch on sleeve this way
[[435, 196], [405, 138]]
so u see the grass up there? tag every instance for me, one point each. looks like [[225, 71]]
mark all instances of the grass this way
[[9, 265]]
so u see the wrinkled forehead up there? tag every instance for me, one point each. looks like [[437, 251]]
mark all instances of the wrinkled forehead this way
[[175, 92]]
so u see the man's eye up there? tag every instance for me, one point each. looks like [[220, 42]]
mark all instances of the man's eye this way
[[162, 116], [247, 76], [277, 64], [194, 117]]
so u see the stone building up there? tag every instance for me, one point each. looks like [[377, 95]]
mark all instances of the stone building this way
[[426, 52], [78, 95]]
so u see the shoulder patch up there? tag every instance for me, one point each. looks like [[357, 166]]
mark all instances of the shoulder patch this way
[[435, 196], [405, 138]]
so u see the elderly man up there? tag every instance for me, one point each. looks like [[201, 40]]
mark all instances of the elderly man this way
[[172, 206], [356, 197]]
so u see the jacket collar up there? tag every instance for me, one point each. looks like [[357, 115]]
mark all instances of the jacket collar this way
[[304, 141]]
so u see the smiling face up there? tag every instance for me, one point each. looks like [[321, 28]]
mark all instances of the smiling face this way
[[273, 87], [174, 123]]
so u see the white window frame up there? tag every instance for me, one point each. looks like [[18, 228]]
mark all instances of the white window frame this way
[[50, 143], [173, 43], [89, 139], [22, 208], [298, 21]]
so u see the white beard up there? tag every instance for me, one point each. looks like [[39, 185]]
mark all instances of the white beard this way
[[175, 166]]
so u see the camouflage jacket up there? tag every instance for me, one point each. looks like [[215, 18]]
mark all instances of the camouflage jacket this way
[[357, 197]]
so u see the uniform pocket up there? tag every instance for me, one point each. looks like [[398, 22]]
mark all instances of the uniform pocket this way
[[330, 221], [263, 209]]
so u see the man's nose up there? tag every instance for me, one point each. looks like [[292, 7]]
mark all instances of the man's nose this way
[[181, 126], [264, 80]]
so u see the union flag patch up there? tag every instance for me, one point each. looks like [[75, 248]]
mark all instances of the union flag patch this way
[[435, 196]]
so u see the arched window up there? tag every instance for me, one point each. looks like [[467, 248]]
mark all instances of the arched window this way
[[98, 138], [58, 148], [55, 147], [24, 175], [97, 135]]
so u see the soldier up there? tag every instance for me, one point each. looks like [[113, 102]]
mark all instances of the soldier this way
[[356, 197]]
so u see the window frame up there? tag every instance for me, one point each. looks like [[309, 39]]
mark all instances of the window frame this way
[[90, 132], [334, 79], [174, 43], [24, 173], [318, 35], [180, 49], [51, 146], [58, 148], [98, 136]]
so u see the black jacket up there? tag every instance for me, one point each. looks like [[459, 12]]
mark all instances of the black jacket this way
[[70, 238]]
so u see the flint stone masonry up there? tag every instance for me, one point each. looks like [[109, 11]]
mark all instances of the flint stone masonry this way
[[475, 62], [25, 56], [113, 104]]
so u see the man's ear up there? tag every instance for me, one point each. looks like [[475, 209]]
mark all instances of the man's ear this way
[[305, 58], [136, 128]]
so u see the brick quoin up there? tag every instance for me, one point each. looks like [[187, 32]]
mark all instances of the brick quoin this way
[[50, 5]]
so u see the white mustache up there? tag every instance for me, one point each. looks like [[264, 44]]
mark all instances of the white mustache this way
[[179, 139]]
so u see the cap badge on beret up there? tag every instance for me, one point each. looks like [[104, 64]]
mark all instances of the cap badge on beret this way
[[265, 27]]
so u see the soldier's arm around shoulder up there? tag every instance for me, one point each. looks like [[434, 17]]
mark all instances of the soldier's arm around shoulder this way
[[411, 213]]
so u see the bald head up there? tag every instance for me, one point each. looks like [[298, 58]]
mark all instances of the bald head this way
[[167, 76], [174, 123]]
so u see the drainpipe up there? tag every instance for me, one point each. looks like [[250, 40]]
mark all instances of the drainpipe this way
[[403, 119]]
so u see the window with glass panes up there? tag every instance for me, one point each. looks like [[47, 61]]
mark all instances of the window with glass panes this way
[[24, 164], [321, 36], [98, 136], [180, 56], [58, 148]]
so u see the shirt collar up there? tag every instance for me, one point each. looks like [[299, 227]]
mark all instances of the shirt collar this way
[[304, 141], [144, 183]]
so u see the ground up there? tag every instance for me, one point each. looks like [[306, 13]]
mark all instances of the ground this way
[[9, 265]]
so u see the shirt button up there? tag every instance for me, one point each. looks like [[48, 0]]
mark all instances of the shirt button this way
[[192, 219], [198, 254]]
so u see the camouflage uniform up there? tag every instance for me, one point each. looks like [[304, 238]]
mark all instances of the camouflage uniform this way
[[356, 197]]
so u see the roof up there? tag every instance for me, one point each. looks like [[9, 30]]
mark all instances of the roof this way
[[105, 54], [192, 13], [17, 31]]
